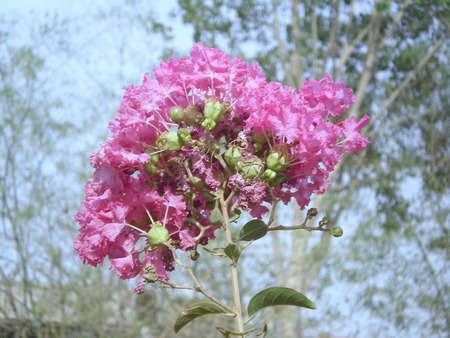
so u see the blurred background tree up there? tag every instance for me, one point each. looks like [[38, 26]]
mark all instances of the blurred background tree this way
[[60, 85]]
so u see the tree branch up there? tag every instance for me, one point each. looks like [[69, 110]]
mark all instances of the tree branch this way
[[410, 76]]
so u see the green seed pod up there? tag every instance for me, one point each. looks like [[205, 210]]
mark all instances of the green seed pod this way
[[176, 113], [269, 175], [192, 116], [184, 134], [233, 155], [337, 232], [208, 124], [276, 161], [250, 167], [169, 140], [214, 110], [158, 234]]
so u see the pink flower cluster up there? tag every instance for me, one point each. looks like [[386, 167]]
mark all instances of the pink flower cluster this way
[[160, 170]]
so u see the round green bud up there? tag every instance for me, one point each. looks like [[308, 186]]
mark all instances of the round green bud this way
[[184, 134], [169, 140], [176, 113], [250, 167], [150, 169], [325, 221], [276, 161], [258, 147], [269, 174], [195, 255], [157, 235], [213, 110], [154, 159], [232, 156], [313, 212], [208, 124], [192, 116], [337, 232]]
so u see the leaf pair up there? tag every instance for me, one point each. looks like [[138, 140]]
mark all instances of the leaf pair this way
[[265, 298]]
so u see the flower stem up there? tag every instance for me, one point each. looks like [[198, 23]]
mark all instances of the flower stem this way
[[239, 320]]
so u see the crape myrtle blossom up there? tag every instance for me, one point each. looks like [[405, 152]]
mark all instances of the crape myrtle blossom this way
[[205, 123]]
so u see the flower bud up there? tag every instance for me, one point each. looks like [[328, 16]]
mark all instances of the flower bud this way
[[169, 141], [208, 124], [313, 212], [214, 110], [150, 169], [154, 159], [276, 161], [337, 232], [250, 166], [184, 134], [195, 255], [158, 234], [176, 114], [232, 156], [192, 116], [269, 175]]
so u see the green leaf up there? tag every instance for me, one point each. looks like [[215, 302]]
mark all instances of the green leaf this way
[[277, 296], [198, 310], [253, 230], [232, 252], [216, 217]]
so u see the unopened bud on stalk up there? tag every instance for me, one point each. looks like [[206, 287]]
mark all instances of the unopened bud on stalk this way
[[250, 166], [176, 114], [154, 159], [150, 169], [233, 155], [269, 175], [214, 110], [195, 255], [158, 234], [337, 232], [313, 212], [208, 124], [184, 134], [169, 141], [277, 161]]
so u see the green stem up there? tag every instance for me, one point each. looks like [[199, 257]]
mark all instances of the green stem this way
[[233, 269]]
